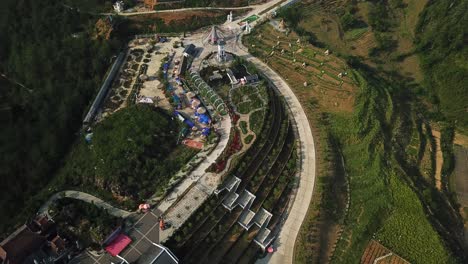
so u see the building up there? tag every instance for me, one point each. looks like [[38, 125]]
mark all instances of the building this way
[[119, 6], [150, 4], [250, 79], [103, 91], [189, 50], [21, 246], [185, 60], [35, 242], [58, 245]]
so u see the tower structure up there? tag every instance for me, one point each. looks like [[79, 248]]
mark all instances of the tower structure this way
[[221, 51], [214, 36], [248, 28]]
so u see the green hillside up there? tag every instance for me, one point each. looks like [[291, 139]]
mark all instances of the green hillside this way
[[442, 34]]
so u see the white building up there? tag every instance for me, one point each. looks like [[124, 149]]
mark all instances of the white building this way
[[119, 6], [221, 51]]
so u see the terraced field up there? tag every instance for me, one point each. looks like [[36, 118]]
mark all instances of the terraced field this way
[[212, 233], [322, 76]]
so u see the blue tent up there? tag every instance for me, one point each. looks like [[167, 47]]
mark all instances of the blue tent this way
[[206, 131], [187, 121], [176, 99], [204, 119]]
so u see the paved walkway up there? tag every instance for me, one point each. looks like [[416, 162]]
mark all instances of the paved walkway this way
[[197, 174], [287, 236], [85, 197], [286, 239], [194, 189]]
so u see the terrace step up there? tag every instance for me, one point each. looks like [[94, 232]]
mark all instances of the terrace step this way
[[246, 218], [262, 237], [230, 201], [230, 185], [262, 218], [245, 199]]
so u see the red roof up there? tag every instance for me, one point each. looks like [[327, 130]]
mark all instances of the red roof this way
[[118, 244], [193, 143]]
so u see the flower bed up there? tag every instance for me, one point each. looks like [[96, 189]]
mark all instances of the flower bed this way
[[233, 147]]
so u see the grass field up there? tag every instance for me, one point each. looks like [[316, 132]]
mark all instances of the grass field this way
[[301, 64]]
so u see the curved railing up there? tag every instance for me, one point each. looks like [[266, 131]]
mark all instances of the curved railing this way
[[208, 93]]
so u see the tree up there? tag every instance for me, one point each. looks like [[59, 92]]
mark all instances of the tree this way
[[347, 21]]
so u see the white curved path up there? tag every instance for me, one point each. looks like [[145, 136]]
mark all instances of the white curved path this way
[[288, 234], [85, 197]]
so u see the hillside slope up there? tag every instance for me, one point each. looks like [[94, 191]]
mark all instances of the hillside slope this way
[[442, 34]]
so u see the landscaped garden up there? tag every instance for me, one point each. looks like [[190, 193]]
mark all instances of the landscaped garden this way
[[267, 170], [249, 98], [127, 84]]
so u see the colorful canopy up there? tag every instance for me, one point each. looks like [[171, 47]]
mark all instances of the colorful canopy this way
[[118, 244], [204, 119]]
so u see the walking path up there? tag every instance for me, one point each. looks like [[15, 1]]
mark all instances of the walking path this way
[[85, 197], [285, 242], [287, 236], [199, 172]]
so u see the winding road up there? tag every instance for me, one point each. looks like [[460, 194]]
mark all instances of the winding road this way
[[285, 242]]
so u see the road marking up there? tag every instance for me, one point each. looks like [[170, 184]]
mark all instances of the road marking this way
[[92, 257]]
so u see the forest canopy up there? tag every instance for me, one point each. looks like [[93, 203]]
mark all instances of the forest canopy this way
[[50, 69], [441, 40]]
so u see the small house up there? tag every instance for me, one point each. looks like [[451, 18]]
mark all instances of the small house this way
[[189, 50], [250, 79]]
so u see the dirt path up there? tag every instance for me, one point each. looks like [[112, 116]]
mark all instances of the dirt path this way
[[461, 140], [439, 160], [246, 118]]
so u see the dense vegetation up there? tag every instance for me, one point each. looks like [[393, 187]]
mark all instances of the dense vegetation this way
[[51, 67], [441, 42], [387, 120], [86, 222], [383, 205], [133, 154]]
